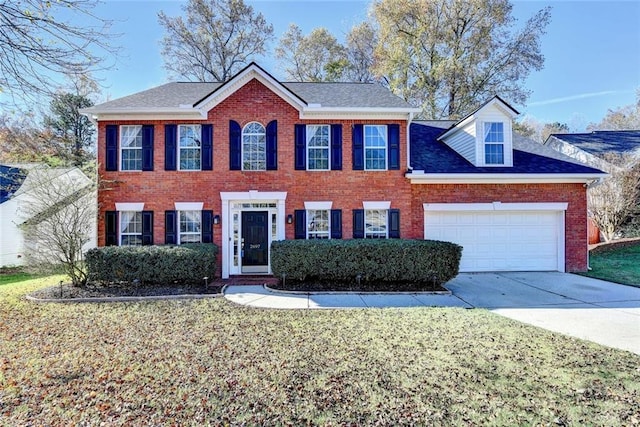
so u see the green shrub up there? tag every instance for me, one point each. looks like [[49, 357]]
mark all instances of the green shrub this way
[[425, 262], [152, 265]]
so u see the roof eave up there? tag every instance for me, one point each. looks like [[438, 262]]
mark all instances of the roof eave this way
[[501, 178]]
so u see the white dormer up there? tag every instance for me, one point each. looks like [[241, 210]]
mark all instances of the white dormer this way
[[484, 137]]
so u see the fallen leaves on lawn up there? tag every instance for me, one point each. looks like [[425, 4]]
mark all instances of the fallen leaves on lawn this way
[[208, 362]]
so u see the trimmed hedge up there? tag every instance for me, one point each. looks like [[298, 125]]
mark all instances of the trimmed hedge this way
[[152, 265], [425, 262]]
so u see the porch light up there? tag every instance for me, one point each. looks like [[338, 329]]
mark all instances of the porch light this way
[[216, 219], [289, 219]]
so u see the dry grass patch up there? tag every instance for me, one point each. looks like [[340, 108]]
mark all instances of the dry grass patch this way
[[208, 362]]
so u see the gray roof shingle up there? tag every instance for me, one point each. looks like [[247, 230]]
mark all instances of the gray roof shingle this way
[[434, 157], [337, 95], [599, 143]]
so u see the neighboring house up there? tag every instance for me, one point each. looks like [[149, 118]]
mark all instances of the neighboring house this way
[[253, 160], [19, 185], [593, 149]]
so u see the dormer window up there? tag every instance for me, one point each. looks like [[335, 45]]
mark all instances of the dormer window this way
[[494, 143]]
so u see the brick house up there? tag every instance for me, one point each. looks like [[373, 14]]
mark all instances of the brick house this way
[[253, 160]]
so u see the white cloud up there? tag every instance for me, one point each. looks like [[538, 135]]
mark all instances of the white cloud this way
[[572, 98]]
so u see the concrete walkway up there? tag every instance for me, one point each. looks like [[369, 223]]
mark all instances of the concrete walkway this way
[[590, 309]]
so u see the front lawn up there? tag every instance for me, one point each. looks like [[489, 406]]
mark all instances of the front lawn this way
[[619, 264], [208, 362]]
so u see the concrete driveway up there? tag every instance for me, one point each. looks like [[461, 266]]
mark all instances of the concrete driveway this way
[[591, 309]]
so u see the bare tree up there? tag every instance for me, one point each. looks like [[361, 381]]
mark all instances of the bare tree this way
[[41, 40], [613, 200], [449, 56], [215, 40], [316, 57], [360, 47], [60, 211], [623, 118]]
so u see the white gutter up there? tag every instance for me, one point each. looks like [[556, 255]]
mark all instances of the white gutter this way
[[409, 141], [419, 177]]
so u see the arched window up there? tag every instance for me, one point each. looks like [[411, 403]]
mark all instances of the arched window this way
[[254, 147]]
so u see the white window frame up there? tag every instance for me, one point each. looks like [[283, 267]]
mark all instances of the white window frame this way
[[486, 130], [126, 136], [185, 233], [311, 216], [368, 139], [369, 216], [310, 136], [197, 136], [260, 164], [122, 227]]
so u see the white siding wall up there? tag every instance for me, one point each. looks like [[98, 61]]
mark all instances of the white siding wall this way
[[464, 142], [11, 240]]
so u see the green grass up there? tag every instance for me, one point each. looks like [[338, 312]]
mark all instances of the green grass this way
[[14, 275], [620, 265], [208, 362]]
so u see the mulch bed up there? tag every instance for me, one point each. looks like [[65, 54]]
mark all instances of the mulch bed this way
[[353, 287], [66, 290], [616, 244]]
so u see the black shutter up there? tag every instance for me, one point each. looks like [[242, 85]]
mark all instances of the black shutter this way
[[147, 147], [393, 141], [207, 147], [358, 223], [336, 223], [336, 147], [170, 147], [147, 227], [394, 223], [358, 147], [272, 145], [235, 149], [207, 226], [111, 145], [111, 228], [301, 224], [300, 147], [170, 225]]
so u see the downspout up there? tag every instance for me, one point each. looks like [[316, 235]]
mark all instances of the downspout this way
[[409, 167]]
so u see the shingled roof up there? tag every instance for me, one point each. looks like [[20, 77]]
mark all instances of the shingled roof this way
[[435, 157], [337, 95], [11, 178], [599, 143]]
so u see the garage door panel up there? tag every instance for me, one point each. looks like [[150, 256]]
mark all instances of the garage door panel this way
[[499, 240]]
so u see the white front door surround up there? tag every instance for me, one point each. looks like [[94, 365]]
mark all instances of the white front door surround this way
[[501, 236], [233, 204]]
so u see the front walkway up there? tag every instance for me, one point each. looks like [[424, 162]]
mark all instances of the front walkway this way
[[582, 307]]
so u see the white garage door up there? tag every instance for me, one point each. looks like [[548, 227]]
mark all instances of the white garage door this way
[[502, 240]]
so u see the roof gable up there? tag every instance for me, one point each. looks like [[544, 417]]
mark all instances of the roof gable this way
[[250, 72]]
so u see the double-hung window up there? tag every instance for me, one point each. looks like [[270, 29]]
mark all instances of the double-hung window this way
[[190, 145], [375, 147], [494, 143], [131, 148], [375, 224], [318, 224], [130, 228], [190, 226], [254, 147], [318, 143]]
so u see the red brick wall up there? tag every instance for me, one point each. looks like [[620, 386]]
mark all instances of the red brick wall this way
[[573, 194], [347, 189]]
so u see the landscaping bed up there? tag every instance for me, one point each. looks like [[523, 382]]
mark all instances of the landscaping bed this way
[[67, 291]]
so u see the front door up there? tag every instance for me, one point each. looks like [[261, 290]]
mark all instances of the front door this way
[[255, 242]]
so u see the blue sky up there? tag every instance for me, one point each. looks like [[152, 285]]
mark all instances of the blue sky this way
[[592, 49]]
